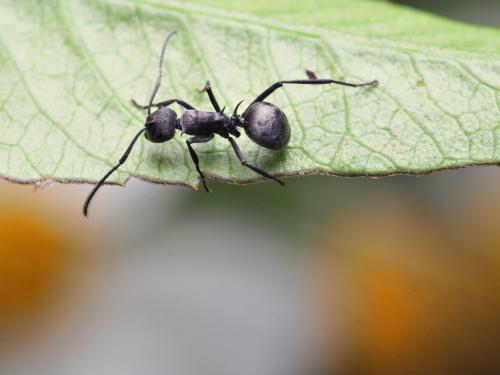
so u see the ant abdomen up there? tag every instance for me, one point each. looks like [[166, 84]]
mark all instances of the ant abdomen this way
[[267, 125]]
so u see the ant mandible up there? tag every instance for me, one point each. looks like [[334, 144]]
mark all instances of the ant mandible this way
[[263, 122]]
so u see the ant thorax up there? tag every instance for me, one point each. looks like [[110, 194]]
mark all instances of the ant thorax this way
[[193, 122]]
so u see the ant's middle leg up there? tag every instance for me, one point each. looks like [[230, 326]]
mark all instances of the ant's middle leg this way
[[210, 93], [280, 84], [194, 155], [165, 103], [244, 162]]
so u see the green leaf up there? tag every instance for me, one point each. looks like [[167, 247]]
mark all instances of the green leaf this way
[[69, 68], [372, 19]]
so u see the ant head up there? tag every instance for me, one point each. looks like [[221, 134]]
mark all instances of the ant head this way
[[161, 125], [237, 120]]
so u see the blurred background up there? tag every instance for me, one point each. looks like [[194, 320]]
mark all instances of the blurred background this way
[[399, 275]]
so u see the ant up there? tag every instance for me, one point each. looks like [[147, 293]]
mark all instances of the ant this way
[[263, 122]]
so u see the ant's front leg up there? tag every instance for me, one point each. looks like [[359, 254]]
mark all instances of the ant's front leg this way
[[244, 162], [165, 103], [210, 93], [194, 155]]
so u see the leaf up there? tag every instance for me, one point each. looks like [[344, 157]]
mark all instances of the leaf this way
[[373, 19], [69, 69]]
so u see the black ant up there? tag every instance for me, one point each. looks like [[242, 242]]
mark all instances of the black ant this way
[[263, 122]]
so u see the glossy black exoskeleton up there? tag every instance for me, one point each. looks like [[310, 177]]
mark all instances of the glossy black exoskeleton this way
[[263, 122], [267, 125]]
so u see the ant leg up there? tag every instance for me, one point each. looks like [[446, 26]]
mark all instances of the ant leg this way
[[310, 74], [280, 84], [210, 93], [194, 155], [244, 162], [166, 103]]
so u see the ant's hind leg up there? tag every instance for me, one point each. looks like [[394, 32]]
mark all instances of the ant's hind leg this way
[[165, 103], [244, 162], [280, 84], [194, 155], [210, 93]]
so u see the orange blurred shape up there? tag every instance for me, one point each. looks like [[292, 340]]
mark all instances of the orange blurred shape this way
[[414, 301], [478, 230], [32, 258], [43, 266]]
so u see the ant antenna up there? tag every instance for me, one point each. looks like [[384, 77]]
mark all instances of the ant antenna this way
[[160, 69], [101, 182], [134, 140]]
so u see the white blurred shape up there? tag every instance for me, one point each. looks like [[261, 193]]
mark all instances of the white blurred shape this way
[[209, 297]]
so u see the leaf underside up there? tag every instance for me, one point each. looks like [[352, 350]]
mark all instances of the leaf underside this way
[[69, 69]]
